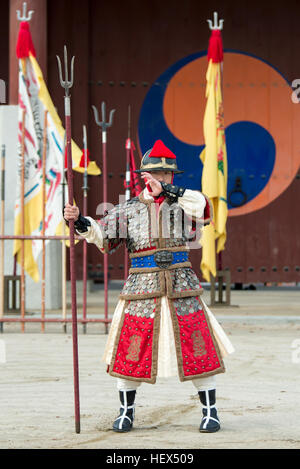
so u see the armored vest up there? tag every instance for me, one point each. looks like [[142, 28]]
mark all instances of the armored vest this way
[[157, 239]]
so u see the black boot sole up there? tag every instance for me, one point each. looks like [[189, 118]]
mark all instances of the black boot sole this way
[[122, 431], [213, 430]]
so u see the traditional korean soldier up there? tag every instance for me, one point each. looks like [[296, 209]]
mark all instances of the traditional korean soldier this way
[[161, 325]]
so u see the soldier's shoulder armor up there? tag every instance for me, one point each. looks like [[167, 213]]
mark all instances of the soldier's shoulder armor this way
[[132, 205], [122, 206]]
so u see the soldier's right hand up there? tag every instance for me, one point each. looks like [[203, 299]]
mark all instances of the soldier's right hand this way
[[71, 212]]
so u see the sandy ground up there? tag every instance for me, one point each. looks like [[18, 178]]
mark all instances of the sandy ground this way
[[257, 397]]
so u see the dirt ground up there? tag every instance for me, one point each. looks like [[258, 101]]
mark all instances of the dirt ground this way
[[257, 397]]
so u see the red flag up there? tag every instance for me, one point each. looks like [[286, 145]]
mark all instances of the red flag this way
[[82, 160]]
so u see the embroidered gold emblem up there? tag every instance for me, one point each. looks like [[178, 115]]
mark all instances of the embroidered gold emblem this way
[[134, 348], [198, 344]]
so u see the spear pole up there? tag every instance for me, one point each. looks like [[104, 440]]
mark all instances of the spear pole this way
[[2, 233], [44, 216], [66, 84], [85, 200], [104, 125], [63, 244], [127, 179]]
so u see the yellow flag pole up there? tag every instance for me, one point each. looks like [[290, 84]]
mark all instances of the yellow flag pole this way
[[22, 196]]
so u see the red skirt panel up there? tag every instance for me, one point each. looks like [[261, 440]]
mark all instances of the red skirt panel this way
[[135, 354]]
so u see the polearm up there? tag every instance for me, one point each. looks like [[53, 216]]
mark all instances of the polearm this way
[[85, 189], [66, 84], [22, 206], [2, 233], [127, 184], [104, 126], [63, 244], [44, 218]]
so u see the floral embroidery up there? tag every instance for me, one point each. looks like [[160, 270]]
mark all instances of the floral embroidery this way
[[198, 344], [134, 348]]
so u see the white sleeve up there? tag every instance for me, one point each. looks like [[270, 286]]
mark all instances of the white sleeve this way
[[93, 234], [193, 203]]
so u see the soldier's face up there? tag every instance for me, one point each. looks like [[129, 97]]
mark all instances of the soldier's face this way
[[162, 176]]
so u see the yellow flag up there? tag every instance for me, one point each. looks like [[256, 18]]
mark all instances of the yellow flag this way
[[214, 176]]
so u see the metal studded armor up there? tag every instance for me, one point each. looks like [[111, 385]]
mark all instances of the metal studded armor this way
[[159, 252]]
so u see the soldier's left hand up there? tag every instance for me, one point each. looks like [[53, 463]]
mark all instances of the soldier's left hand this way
[[156, 187]]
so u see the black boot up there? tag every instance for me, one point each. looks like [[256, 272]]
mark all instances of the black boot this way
[[210, 422], [124, 422]]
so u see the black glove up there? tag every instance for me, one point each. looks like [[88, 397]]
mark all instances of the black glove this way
[[80, 224], [171, 191]]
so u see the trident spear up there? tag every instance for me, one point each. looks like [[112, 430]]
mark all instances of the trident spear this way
[[66, 84], [104, 126]]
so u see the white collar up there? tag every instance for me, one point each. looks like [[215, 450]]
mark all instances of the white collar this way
[[147, 195]]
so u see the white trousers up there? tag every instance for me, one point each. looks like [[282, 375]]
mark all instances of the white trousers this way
[[201, 384]]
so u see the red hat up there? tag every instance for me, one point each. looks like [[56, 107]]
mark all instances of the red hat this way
[[159, 158]]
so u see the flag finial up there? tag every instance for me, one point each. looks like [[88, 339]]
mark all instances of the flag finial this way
[[24, 17], [216, 25]]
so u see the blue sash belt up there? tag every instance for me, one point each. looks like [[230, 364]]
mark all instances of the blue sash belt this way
[[161, 259]]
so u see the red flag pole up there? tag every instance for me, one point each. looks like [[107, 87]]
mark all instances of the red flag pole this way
[[104, 125], [127, 184], [22, 205], [63, 244], [85, 199], [67, 85], [23, 47]]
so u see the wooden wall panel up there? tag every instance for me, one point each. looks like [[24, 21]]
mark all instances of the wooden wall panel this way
[[121, 48]]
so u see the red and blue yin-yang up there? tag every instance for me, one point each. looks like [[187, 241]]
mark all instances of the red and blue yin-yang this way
[[261, 125]]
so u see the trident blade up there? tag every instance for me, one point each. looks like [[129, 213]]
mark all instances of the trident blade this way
[[103, 124], [111, 114], [96, 114], [66, 63], [66, 83]]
